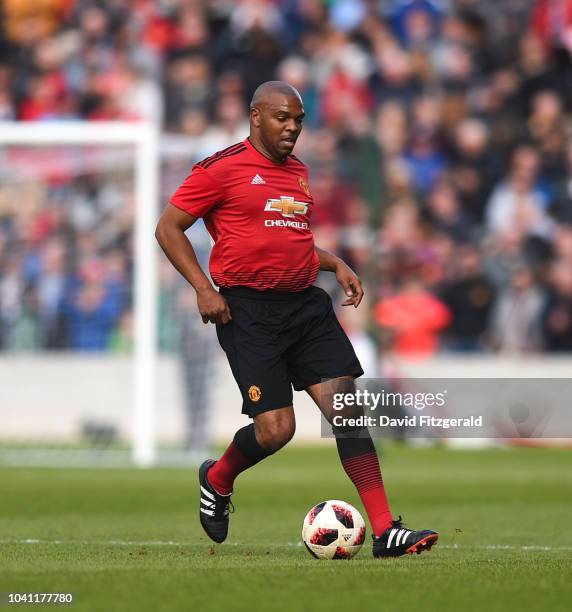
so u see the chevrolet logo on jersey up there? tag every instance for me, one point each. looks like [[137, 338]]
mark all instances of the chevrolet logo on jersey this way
[[287, 206]]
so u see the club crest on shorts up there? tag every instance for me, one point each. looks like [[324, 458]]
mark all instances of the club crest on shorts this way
[[254, 393]]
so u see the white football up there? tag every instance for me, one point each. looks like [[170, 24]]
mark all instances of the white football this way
[[333, 530]]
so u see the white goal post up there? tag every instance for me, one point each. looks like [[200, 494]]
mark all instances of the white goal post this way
[[144, 138]]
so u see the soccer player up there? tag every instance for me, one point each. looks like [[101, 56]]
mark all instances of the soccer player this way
[[277, 329]]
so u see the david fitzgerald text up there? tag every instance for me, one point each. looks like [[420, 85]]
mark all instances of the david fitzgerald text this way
[[416, 421]]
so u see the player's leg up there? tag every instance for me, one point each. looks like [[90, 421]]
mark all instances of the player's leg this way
[[359, 459], [357, 454], [257, 361], [324, 353], [269, 432]]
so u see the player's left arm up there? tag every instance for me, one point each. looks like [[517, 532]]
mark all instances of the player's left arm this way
[[347, 278]]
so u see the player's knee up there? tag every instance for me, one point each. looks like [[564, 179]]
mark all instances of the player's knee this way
[[274, 436]]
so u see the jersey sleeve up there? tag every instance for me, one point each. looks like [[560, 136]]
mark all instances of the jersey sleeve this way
[[198, 193]]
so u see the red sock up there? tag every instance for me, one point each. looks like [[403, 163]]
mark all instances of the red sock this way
[[364, 472], [222, 474]]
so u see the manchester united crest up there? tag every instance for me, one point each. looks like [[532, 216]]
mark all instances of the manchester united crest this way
[[254, 393], [304, 185]]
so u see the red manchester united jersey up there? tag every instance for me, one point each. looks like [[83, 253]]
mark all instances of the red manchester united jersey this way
[[258, 214]]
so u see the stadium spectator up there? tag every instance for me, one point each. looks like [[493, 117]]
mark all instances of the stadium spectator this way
[[53, 286], [12, 288], [515, 325], [474, 166], [231, 124], [469, 295], [562, 209], [446, 214], [518, 201], [94, 307], [414, 317], [551, 21], [557, 316]]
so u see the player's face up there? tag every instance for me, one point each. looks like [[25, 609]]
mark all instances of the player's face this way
[[279, 123]]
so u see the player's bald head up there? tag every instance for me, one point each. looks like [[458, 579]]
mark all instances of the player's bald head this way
[[276, 116], [266, 93]]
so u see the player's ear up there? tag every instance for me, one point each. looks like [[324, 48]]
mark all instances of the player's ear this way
[[255, 117]]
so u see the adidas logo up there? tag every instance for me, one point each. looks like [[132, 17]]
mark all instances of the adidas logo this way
[[347, 536], [258, 180]]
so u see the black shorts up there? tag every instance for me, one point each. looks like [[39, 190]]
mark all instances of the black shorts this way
[[279, 340]]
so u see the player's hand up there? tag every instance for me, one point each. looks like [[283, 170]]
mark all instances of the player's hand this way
[[213, 307], [351, 284]]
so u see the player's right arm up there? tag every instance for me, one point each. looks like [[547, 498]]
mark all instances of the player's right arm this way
[[170, 234]]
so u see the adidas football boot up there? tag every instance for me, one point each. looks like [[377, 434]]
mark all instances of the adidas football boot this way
[[214, 507], [398, 540]]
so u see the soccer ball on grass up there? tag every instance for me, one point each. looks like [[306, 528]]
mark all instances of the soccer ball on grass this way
[[333, 530]]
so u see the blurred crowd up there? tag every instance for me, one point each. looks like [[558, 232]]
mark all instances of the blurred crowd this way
[[437, 136]]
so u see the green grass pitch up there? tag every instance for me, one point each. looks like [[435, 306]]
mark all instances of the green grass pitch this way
[[130, 539]]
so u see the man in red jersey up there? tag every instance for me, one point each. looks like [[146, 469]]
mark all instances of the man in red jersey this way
[[277, 329]]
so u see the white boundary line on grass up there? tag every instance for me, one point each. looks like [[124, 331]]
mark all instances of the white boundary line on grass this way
[[246, 545]]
